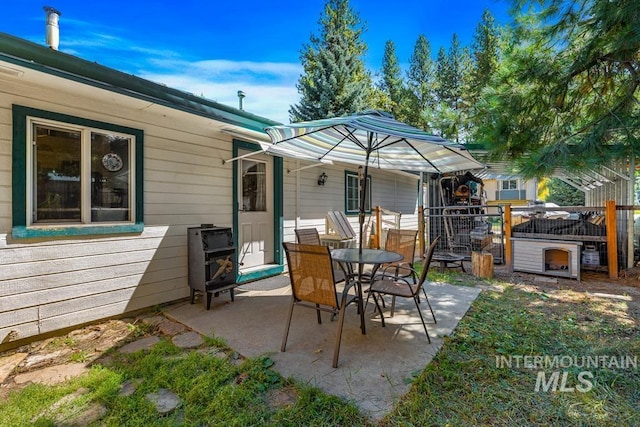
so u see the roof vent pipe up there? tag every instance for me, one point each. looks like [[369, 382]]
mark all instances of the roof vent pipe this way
[[53, 31], [241, 100]]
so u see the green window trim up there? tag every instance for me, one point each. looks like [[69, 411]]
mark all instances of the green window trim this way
[[20, 230]]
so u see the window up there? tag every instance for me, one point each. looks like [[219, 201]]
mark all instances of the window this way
[[352, 193], [254, 186], [510, 184], [76, 175]]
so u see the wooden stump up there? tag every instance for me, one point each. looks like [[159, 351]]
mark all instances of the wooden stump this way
[[482, 264]]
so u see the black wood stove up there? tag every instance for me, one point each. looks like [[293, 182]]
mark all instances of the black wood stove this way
[[212, 261]]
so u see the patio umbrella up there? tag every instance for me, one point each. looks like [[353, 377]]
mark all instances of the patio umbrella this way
[[370, 139]]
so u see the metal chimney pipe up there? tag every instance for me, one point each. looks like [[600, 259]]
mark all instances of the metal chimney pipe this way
[[241, 100], [53, 31]]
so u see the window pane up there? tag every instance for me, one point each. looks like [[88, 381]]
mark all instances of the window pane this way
[[352, 193], [110, 178], [57, 170], [510, 185], [254, 186]]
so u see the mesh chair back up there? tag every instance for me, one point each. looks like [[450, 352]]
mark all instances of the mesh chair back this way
[[308, 236], [402, 242], [311, 274]]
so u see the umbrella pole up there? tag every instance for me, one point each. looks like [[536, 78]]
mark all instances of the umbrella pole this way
[[363, 196]]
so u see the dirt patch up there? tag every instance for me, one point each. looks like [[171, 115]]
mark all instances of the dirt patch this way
[[281, 398], [86, 345], [622, 295]]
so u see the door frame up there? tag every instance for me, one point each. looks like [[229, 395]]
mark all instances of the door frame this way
[[278, 220]]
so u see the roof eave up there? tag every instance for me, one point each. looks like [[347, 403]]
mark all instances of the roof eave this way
[[40, 58]]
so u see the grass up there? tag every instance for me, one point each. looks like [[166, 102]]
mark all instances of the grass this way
[[463, 385]]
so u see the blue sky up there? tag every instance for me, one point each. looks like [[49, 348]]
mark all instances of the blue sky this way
[[215, 48]]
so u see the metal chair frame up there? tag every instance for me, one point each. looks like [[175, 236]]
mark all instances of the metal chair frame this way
[[388, 284], [313, 285]]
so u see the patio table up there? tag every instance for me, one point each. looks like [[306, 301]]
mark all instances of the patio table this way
[[347, 257]]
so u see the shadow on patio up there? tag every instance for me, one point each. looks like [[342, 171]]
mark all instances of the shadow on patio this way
[[373, 369]]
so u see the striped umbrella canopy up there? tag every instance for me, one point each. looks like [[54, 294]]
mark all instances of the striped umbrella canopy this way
[[373, 139], [370, 139]]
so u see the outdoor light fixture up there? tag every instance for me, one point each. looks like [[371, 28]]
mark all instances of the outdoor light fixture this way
[[322, 178]]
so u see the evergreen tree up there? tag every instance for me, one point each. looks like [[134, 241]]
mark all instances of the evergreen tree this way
[[392, 83], [567, 94], [420, 85], [442, 88], [563, 194], [484, 52], [452, 74], [485, 57], [335, 81]]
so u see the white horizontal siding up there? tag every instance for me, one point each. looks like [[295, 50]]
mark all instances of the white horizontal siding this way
[[49, 284], [306, 203]]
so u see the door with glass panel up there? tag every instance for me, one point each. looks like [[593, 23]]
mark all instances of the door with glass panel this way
[[255, 212]]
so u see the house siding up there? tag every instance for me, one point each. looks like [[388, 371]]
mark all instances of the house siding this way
[[51, 284], [306, 203]]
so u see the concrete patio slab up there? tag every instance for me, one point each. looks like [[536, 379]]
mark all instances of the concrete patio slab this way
[[374, 370]]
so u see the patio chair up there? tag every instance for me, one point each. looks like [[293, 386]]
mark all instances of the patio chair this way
[[402, 288], [310, 236], [404, 243], [313, 286], [307, 236]]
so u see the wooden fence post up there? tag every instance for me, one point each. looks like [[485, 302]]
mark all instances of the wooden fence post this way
[[508, 253], [612, 239], [378, 228]]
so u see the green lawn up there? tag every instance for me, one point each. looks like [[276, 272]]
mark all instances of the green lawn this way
[[464, 384]]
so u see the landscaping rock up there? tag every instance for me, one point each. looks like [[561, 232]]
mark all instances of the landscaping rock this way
[[152, 320], [165, 401], [52, 375], [170, 328], [62, 416], [34, 361], [129, 387], [141, 344], [93, 413], [8, 364], [188, 340]]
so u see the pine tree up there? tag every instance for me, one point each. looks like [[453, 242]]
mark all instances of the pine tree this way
[[451, 112], [392, 84], [420, 85], [335, 81], [567, 93], [484, 52], [442, 87]]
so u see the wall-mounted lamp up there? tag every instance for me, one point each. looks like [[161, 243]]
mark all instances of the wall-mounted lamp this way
[[322, 179]]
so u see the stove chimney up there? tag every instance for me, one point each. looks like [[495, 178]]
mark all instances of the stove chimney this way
[[53, 31], [241, 100]]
